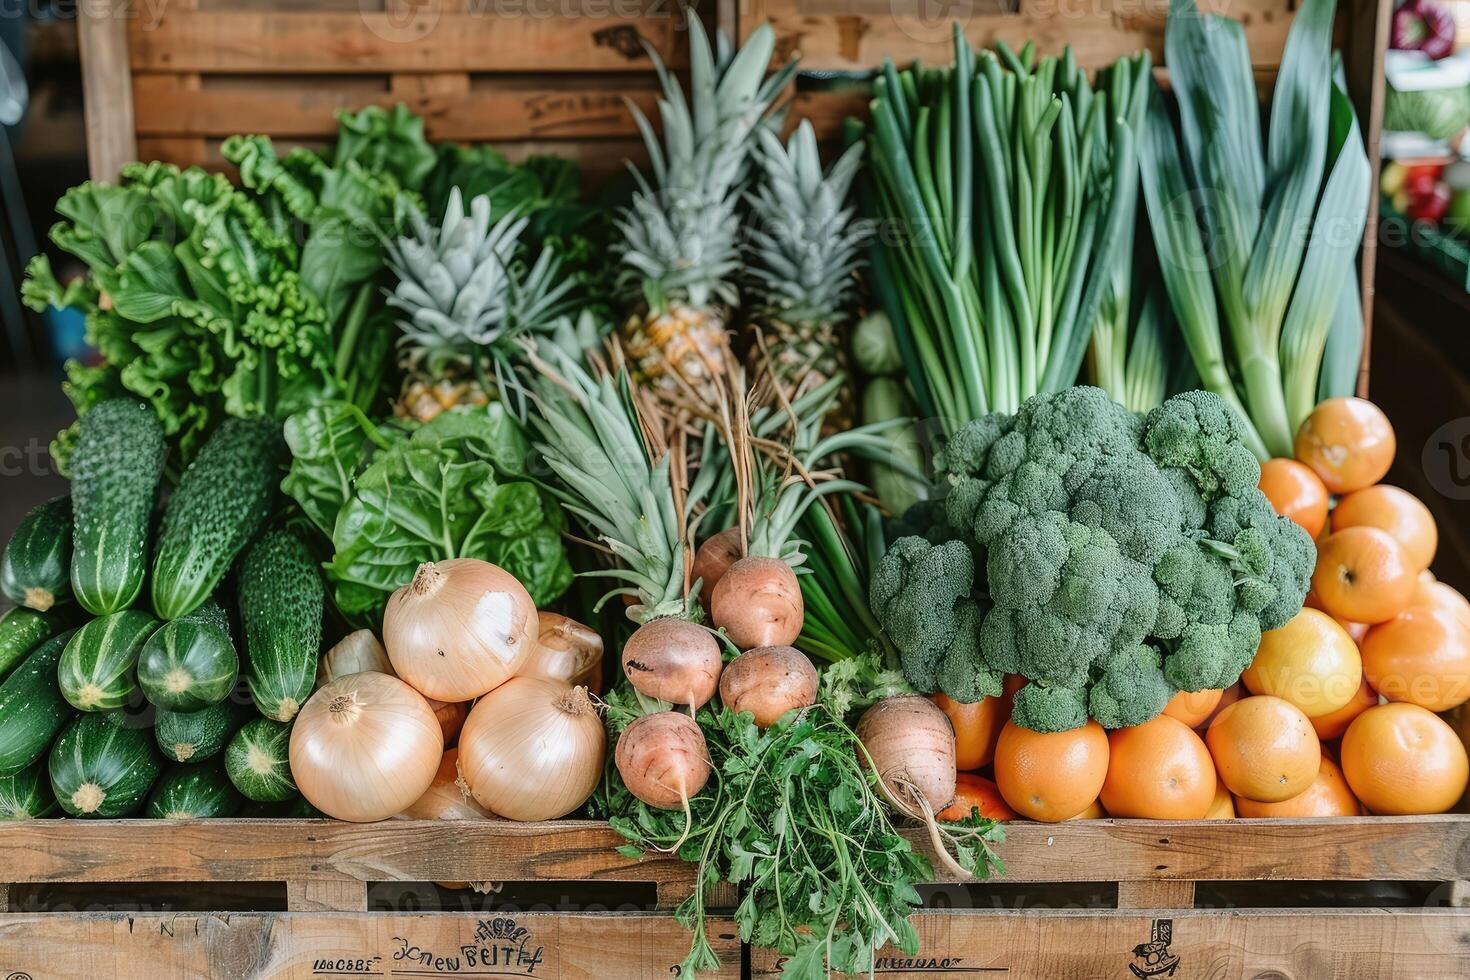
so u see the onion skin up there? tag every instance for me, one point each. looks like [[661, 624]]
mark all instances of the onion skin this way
[[714, 558], [768, 682], [532, 749], [673, 660], [911, 743], [663, 759], [364, 747], [758, 603], [451, 715], [354, 653], [566, 651], [460, 629], [445, 799]]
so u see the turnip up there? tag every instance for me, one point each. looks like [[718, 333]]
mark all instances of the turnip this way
[[663, 759], [768, 682], [673, 660], [714, 558], [758, 603]]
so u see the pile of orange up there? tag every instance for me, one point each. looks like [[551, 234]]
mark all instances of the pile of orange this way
[[1337, 716]]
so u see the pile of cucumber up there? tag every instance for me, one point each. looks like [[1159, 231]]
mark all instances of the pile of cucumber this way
[[174, 700]]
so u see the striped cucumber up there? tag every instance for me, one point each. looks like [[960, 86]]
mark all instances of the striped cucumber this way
[[32, 709], [258, 761], [190, 663], [192, 792], [21, 631], [27, 794], [193, 736], [103, 766], [35, 570], [97, 670], [281, 601], [115, 468]]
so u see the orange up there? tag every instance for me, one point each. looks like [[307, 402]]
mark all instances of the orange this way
[[1354, 630], [1421, 656], [1094, 811], [1403, 759], [1430, 592], [1363, 575], [1229, 696], [1264, 748], [1311, 662], [976, 727], [1332, 725], [976, 792], [1222, 807], [1396, 511], [1160, 770], [1193, 707], [1296, 492], [1051, 776], [1328, 796], [1348, 442]]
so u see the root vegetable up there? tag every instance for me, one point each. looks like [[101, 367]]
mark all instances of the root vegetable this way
[[768, 682], [460, 629], [353, 654], [663, 759], [451, 715], [714, 558], [445, 799], [532, 749], [566, 651], [758, 603], [673, 660]]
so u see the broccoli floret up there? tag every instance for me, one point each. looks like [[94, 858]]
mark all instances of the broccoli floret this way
[[1123, 558]]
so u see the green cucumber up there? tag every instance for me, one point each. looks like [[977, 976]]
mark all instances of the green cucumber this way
[[223, 500], [21, 631], [115, 470], [35, 570], [27, 794], [293, 807], [103, 766], [191, 792], [97, 670], [193, 736], [258, 761], [191, 662], [281, 613], [32, 709]]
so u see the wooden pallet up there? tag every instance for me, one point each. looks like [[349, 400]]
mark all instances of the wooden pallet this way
[[326, 929]]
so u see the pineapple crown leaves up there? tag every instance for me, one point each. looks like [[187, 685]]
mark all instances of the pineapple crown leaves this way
[[681, 232], [804, 244]]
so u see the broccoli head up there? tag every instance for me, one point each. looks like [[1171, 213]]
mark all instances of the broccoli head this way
[[1122, 558]]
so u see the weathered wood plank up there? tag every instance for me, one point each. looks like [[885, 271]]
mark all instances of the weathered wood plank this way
[[326, 895], [1370, 944], [107, 98], [451, 109], [430, 40], [1367, 39], [1155, 894], [264, 946]]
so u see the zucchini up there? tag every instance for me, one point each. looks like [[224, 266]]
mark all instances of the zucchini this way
[[222, 501], [115, 470], [21, 631], [35, 570], [193, 736], [281, 613], [27, 794], [190, 663], [97, 670], [32, 709], [258, 761], [103, 766], [191, 792]]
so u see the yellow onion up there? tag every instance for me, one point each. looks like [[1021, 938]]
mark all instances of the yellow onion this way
[[566, 651], [451, 715], [445, 799], [364, 747], [353, 654], [532, 749], [461, 628]]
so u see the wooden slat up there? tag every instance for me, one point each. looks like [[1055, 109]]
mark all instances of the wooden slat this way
[[1370, 944], [264, 946], [326, 895], [431, 41], [107, 97], [295, 850], [451, 109], [1323, 849], [1363, 65], [1155, 894]]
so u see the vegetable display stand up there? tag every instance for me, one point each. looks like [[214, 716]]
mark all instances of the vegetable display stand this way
[[1160, 866], [326, 929]]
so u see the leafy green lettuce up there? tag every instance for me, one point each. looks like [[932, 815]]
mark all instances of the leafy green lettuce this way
[[390, 497]]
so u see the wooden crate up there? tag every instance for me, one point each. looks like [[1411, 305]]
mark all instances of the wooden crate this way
[[1156, 866], [326, 929], [169, 81]]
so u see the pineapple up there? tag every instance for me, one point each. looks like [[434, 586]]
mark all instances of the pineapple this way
[[680, 234], [801, 255], [465, 296]]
